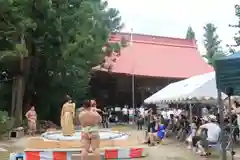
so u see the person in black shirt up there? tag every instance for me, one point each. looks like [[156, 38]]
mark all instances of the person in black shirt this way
[[181, 127], [140, 121], [235, 128], [184, 128], [151, 122], [170, 125], [105, 116]]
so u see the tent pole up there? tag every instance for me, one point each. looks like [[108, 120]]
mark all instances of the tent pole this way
[[221, 117], [133, 78]]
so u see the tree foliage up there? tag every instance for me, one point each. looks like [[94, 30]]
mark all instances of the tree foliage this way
[[190, 34], [58, 43], [211, 40], [212, 44], [237, 35]]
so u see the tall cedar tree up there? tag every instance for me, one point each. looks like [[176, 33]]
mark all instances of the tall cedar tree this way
[[49, 48]]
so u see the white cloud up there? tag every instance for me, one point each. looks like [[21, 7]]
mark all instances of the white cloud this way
[[171, 17]]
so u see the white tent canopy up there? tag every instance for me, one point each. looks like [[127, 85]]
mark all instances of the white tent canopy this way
[[200, 88], [163, 93]]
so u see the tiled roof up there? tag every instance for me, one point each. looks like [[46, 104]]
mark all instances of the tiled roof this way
[[156, 56]]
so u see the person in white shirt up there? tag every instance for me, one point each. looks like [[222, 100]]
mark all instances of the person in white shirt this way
[[125, 114], [169, 112], [141, 110], [146, 112], [213, 133], [205, 111], [178, 112], [131, 115], [175, 112], [164, 114]]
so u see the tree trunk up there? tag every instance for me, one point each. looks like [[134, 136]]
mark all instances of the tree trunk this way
[[20, 85], [14, 96]]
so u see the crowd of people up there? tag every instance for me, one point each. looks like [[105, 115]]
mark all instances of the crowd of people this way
[[200, 132]]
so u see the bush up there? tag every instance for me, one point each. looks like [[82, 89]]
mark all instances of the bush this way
[[6, 123]]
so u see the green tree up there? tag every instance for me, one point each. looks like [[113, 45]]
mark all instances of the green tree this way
[[212, 43], [124, 42], [217, 55], [237, 35], [15, 26], [190, 34], [58, 42]]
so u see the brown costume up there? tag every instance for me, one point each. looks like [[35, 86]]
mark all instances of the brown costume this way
[[67, 115]]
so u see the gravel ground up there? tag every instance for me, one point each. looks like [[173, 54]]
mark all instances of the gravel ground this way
[[171, 150]]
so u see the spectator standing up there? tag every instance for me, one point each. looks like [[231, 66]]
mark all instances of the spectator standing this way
[[140, 121], [131, 115], [141, 110], [205, 112], [125, 114], [164, 114], [105, 116]]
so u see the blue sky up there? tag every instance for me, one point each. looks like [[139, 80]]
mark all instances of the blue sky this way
[[172, 17]]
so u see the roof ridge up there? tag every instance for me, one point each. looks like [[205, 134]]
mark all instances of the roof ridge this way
[[162, 43], [150, 35], [166, 44]]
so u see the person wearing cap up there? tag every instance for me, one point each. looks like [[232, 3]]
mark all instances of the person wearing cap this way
[[212, 135]]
